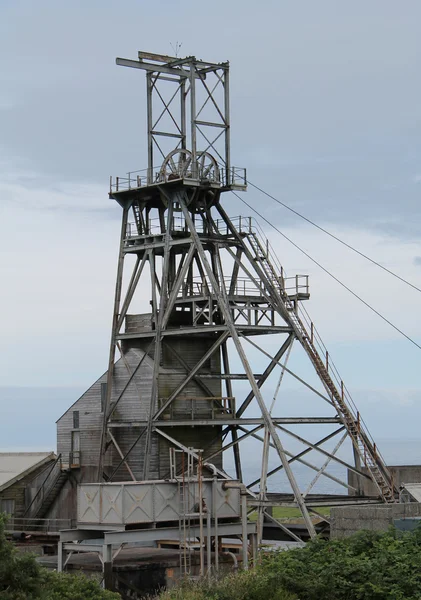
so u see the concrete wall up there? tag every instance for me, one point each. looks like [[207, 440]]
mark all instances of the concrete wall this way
[[401, 474], [347, 520]]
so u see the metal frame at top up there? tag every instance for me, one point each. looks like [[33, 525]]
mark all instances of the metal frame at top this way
[[195, 115]]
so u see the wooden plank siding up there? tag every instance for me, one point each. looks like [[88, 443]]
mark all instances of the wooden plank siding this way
[[21, 491], [134, 405]]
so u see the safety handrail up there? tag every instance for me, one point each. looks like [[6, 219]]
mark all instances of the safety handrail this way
[[41, 491]]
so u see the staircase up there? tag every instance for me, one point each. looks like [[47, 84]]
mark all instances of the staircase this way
[[137, 217], [360, 438], [48, 491], [51, 494]]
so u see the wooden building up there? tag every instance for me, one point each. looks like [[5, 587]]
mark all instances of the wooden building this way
[[79, 428], [21, 475]]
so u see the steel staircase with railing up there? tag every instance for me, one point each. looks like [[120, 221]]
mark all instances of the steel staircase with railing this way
[[360, 438]]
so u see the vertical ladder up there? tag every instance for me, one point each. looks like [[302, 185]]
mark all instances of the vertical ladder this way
[[136, 212], [360, 438]]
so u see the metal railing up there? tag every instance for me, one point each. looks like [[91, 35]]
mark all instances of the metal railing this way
[[244, 225], [219, 407], [48, 483], [37, 525], [316, 340], [293, 286], [234, 176]]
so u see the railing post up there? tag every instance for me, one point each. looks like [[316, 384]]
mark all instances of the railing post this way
[[327, 360], [249, 224], [111, 183], [116, 183], [311, 332]]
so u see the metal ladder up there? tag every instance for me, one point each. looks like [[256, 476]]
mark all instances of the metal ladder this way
[[136, 212], [360, 438]]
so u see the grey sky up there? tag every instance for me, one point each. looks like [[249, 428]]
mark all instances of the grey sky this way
[[326, 115], [325, 95]]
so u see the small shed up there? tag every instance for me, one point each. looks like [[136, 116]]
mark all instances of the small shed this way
[[19, 473]]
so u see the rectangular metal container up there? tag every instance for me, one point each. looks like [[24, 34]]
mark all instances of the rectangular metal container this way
[[151, 502]]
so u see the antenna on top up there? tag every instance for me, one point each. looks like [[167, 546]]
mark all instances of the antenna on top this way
[[176, 48]]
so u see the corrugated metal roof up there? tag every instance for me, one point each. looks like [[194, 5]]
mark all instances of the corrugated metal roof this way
[[414, 489], [15, 465]]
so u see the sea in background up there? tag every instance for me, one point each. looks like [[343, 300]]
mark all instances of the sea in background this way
[[394, 451], [29, 414]]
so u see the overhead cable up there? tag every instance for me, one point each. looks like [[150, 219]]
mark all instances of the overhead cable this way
[[330, 273], [332, 235]]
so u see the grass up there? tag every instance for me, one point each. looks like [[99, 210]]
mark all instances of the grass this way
[[288, 512], [245, 585]]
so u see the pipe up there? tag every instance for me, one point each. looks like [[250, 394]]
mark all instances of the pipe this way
[[244, 532], [234, 558], [236, 485]]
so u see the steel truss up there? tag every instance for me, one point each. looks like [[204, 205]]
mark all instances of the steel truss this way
[[215, 278]]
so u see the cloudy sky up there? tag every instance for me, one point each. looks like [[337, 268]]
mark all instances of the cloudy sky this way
[[326, 116]]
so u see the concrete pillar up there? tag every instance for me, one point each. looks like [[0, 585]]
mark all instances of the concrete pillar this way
[[107, 566], [61, 557]]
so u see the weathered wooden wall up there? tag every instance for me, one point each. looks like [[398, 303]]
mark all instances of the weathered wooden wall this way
[[133, 408], [20, 491]]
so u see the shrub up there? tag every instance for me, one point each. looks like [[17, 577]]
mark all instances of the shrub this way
[[245, 585], [22, 578], [366, 566]]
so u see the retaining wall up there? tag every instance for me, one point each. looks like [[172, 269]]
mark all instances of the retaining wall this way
[[378, 517]]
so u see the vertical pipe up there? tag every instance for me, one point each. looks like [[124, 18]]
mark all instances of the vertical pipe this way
[[208, 543], [263, 483], [254, 547], [215, 517], [193, 118], [244, 528], [183, 112], [227, 125], [60, 557], [149, 91], [199, 479]]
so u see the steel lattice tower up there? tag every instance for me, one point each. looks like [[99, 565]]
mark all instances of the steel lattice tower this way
[[215, 288]]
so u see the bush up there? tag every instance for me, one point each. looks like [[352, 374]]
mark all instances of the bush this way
[[366, 566], [22, 578], [245, 585]]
